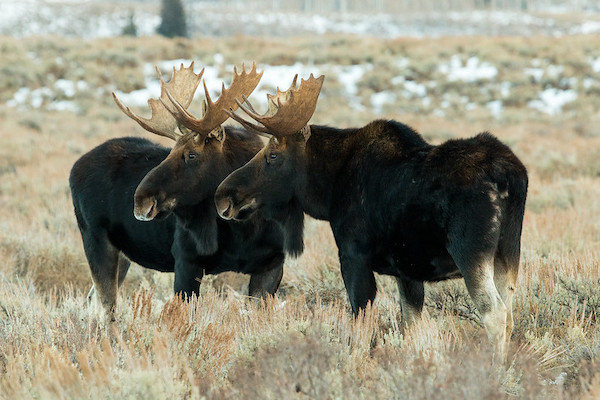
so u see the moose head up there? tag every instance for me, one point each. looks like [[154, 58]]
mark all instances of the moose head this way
[[202, 155]]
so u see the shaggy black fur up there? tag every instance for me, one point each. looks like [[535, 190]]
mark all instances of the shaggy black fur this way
[[397, 205], [188, 238]]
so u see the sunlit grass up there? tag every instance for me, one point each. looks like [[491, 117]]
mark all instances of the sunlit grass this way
[[304, 342]]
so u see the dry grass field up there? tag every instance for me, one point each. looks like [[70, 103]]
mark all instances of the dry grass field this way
[[303, 343]]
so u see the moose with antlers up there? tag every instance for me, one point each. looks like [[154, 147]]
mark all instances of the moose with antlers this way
[[135, 200], [397, 205]]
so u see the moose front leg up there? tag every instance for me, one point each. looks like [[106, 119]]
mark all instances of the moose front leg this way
[[188, 276], [267, 281], [412, 296], [188, 272], [359, 278]]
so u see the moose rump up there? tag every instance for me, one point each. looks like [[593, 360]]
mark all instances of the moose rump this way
[[447, 211]]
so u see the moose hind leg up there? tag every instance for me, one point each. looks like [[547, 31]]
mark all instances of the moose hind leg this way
[[505, 279], [473, 240], [267, 282], [479, 279]]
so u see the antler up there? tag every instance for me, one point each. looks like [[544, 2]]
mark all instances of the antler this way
[[215, 113], [181, 87], [288, 111]]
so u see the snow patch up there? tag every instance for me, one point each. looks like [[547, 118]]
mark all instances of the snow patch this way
[[588, 28], [473, 70], [595, 64], [381, 99], [25, 98], [505, 88], [349, 76], [412, 89], [552, 100], [535, 73], [496, 108]]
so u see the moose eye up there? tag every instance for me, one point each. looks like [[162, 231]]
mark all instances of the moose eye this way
[[271, 157], [191, 156], [206, 141]]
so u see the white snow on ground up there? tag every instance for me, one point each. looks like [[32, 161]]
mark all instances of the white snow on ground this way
[[552, 100], [535, 73], [75, 18], [63, 105], [51, 98], [89, 19], [554, 71], [349, 76], [381, 99], [496, 108], [505, 88], [62, 95], [25, 96], [587, 28], [473, 70], [70, 88], [412, 89], [279, 76], [595, 64]]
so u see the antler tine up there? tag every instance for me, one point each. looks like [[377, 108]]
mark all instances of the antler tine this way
[[261, 130], [249, 111], [183, 83], [157, 125], [293, 85], [250, 106], [291, 110], [258, 129], [216, 112]]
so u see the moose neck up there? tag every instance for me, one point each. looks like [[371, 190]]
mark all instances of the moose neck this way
[[326, 155]]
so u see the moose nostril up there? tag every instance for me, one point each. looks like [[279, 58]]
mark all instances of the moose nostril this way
[[226, 208]]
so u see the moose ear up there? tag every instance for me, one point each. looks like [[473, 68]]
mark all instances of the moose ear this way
[[303, 134], [218, 133]]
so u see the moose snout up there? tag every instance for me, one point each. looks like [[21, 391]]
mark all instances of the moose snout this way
[[145, 209]]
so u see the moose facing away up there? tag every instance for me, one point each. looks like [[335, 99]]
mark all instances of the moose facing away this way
[[181, 231], [396, 204]]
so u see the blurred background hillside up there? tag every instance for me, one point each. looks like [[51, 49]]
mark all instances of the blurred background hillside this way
[[381, 18]]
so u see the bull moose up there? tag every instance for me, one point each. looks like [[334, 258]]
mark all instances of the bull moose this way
[[397, 205], [169, 223]]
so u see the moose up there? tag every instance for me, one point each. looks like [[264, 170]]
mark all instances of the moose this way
[[135, 200], [397, 205]]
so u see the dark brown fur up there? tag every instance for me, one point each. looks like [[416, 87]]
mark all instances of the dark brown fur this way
[[399, 206]]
